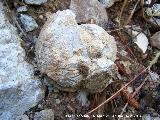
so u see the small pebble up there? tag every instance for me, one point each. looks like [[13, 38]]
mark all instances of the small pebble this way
[[50, 87], [58, 101], [130, 90], [22, 9], [28, 22], [82, 98], [35, 2], [47, 114], [41, 17], [40, 106]]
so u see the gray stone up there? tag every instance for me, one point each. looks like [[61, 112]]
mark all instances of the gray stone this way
[[49, 86], [89, 10], [151, 114], [19, 89], [35, 2], [82, 98], [28, 22], [46, 114], [155, 40], [149, 117], [58, 101], [22, 9], [108, 3], [75, 56]]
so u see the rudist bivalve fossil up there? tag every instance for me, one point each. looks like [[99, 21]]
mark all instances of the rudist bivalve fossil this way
[[75, 56]]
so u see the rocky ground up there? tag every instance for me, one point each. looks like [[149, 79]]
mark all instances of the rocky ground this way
[[61, 59]]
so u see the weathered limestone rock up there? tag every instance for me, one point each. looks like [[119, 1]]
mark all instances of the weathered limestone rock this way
[[89, 10], [75, 56], [19, 89], [155, 40], [35, 2], [46, 114]]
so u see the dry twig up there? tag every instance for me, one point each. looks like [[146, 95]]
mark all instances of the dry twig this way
[[122, 9], [117, 93], [136, 91], [130, 17], [132, 80]]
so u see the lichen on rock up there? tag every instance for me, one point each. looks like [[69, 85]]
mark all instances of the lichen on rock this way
[[75, 56]]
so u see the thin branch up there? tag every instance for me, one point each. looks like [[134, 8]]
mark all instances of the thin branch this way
[[135, 78], [129, 18], [135, 92], [117, 93], [124, 4]]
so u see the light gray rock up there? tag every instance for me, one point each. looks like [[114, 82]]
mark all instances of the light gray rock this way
[[35, 2], [75, 56], [19, 89], [46, 114], [22, 9], [155, 40], [108, 3], [28, 22], [149, 117], [82, 98], [151, 114], [89, 10], [58, 101]]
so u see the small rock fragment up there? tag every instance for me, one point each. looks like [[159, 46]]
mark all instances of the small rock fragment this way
[[141, 40], [139, 37], [88, 11], [154, 13], [107, 3], [49, 86], [46, 114], [130, 90], [40, 106], [153, 76], [82, 98], [151, 114], [58, 101], [75, 56], [41, 17], [35, 2], [22, 9], [126, 65], [28, 22], [155, 40], [154, 10]]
